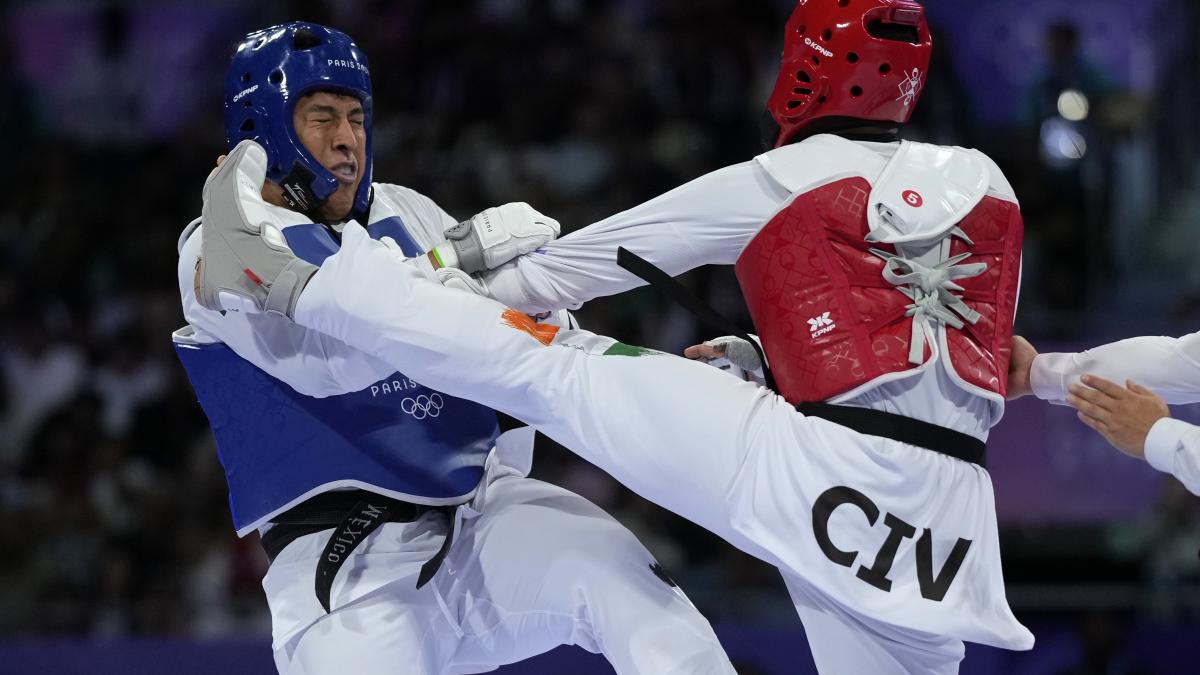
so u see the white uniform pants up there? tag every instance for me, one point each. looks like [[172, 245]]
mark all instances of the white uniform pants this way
[[890, 551], [532, 567]]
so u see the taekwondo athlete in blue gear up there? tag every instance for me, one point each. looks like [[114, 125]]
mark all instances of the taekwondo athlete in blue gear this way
[[272, 70], [365, 484]]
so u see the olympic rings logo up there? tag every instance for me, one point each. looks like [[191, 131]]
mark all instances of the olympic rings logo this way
[[423, 406]]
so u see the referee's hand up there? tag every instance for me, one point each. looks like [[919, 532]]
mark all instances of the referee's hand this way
[[1122, 415]]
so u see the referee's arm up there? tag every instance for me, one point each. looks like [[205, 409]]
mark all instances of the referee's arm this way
[[1173, 447], [1168, 367]]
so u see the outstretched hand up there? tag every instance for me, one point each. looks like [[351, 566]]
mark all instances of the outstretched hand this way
[[1122, 415], [731, 354]]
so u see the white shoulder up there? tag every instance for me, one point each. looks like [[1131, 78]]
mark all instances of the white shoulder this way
[[999, 186], [189, 253], [398, 194], [819, 160], [187, 234], [400, 198]]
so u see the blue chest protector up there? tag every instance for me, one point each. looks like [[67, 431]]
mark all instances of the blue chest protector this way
[[279, 447]]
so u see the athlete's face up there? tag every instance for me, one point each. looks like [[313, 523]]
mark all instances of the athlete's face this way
[[331, 127]]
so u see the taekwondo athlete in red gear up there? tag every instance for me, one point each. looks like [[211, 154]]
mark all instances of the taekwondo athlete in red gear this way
[[404, 535], [883, 277]]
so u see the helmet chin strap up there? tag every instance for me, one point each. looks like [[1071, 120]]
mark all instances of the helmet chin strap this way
[[299, 196]]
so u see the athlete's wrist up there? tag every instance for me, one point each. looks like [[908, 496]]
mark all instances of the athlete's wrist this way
[[443, 255]]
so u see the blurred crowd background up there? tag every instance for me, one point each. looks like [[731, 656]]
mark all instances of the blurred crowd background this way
[[113, 514]]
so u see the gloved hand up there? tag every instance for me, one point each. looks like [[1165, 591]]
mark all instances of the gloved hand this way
[[731, 354], [495, 236]]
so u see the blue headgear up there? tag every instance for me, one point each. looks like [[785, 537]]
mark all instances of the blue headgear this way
[[272, 69]]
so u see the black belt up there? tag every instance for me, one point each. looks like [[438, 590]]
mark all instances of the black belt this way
[[903, 429], [352, 514]]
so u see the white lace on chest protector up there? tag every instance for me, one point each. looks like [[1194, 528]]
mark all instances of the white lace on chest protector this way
[[917, 204]]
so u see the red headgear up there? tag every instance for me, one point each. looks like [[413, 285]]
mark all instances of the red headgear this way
[[850, 59]]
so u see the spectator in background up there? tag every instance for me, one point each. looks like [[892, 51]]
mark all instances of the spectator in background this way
[[1066, 210], [1066, 70]]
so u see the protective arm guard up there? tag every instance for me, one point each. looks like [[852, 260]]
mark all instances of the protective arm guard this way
[[245, 263]]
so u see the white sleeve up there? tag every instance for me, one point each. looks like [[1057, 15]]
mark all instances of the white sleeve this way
[[1167, 366], [1173, 447], [309, 362], [707, 221]]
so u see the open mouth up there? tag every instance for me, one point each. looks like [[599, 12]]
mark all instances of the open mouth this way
[[346, 172]]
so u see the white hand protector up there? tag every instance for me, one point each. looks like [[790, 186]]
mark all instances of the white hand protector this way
[[740, 358], [495, 236], [452, 277]]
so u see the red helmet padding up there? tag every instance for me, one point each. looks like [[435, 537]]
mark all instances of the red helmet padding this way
[[834, 66]]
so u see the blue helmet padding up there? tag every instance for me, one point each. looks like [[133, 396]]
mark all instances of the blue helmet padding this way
[[269, 73]]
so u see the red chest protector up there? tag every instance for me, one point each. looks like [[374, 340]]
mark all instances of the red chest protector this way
[[833, 326]]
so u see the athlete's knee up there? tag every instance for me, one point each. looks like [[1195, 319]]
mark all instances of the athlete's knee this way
[[604, 555], [605, 546]]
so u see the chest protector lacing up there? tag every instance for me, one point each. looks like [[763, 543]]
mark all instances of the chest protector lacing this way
[[932, 291]]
